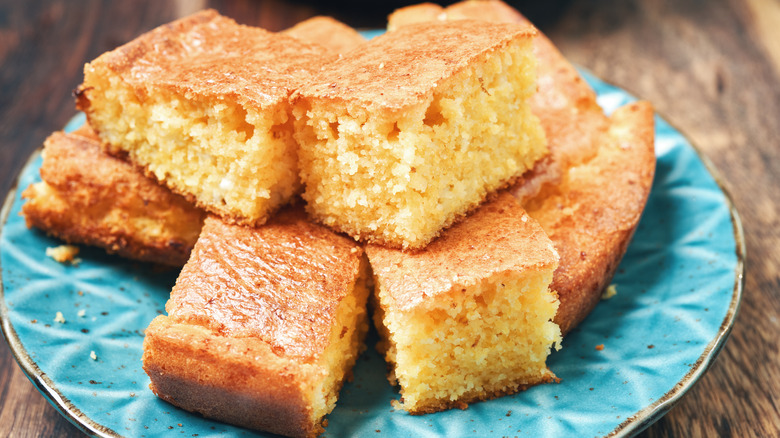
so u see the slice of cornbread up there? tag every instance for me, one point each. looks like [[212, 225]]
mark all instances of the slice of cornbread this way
[[263, 325], [91, 198], [202, 105], [469, 317], [328, 32], [405, 134], [593, 212]]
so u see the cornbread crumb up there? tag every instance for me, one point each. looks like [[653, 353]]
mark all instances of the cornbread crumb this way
[[609, 292], [82, 313], [600, 347], [59, 318], [63, 253], [92, 355]]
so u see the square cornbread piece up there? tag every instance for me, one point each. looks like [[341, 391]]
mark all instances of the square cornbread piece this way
[[404, 135], [263, 325], [89, 197], [469, 317], [201, 105]]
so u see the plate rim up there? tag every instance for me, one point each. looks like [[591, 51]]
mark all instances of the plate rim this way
[[634, 424]]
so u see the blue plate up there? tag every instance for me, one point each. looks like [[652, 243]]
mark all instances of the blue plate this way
[[679, 288]]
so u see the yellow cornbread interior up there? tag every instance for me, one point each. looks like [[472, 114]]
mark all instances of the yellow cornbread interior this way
[[477, 342], [346, 344], [236, 161], [397, 177]]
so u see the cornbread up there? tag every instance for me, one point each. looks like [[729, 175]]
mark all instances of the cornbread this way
[[91, 198], [328, 32], [592, 214], [263, 325], [398, 138], [469, 317], [564, 102], [202, 105], [589, 220]]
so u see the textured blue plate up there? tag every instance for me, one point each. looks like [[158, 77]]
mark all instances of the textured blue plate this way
[[678, 287]]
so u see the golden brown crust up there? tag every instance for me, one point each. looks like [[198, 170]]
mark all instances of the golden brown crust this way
[[328, 32], [418, 13], [385, 73], [207, 54], [592, 215], [239, 380], [91, 198], [497, 237], [239, 282]]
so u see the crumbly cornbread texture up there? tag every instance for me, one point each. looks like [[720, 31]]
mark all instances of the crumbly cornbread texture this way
[[263, 325], [469, 317], [407, 133], [89, 197], [564, 102], [202, 105], [328, 32]]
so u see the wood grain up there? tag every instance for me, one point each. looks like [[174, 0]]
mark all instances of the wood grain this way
[[711, 68]]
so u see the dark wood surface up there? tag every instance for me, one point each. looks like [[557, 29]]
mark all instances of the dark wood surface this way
[[712, 68]]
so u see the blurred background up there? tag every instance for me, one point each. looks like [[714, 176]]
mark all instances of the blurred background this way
[[711, 68]]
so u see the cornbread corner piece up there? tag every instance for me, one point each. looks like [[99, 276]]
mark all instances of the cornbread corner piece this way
[[469, 317], [327, 31], [405, 134], [89, 197], [263, 325], [202, 105]]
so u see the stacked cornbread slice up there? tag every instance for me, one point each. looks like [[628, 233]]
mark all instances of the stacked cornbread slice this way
[[263, 325], [407, 133], [201, 104]]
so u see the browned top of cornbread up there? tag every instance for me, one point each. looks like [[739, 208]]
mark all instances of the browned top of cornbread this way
[[593, 214], [387, 72], [281, 282], [327, 32], [97, 187], [498, 237], [418, 13], [208, 54]]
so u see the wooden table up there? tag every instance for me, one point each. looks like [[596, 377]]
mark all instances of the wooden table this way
[[711, 68]]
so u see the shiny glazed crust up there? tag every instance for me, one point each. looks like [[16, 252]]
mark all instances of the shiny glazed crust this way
[[88, 197]]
